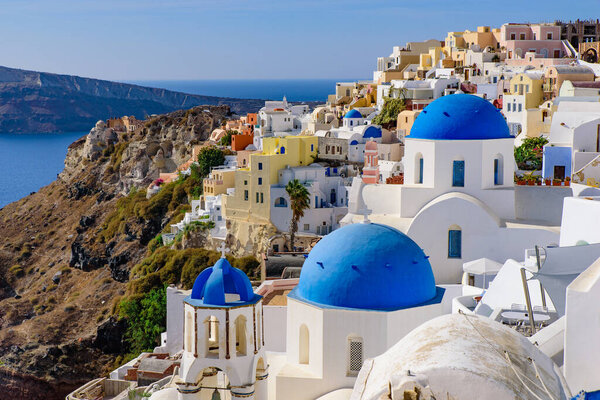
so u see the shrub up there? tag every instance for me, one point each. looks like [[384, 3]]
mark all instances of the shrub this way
[[146, 318], [529, 155], [249, 264], [209, 157], [17, 271], [389, 113]]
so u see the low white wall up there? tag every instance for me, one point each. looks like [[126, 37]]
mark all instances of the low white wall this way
[[541, 203], [581, 219], [275, 320]]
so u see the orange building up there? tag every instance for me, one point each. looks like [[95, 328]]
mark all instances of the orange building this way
[[240, 142], [371, 168]]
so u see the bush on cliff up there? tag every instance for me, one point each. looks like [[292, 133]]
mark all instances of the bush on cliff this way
[[209, 157]]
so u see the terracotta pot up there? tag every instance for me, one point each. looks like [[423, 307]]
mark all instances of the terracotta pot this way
[[548, 182], [556, 183], [530, 183], [539, 183], [520, 183], [567, 183]]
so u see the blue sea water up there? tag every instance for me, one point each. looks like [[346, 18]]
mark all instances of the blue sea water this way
[[268, 89], [31, 161]]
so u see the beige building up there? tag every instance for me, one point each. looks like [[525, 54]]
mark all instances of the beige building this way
[[218, 181], [405, 121], [557, 74]]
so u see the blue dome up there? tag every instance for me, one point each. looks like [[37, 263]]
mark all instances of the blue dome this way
[[215, 282], [353, 114], [366, 266], [460, 117], [372, 132]]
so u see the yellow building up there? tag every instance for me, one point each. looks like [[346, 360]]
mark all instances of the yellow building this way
[[429, 60], [529, 85], [251, 200], [218, 181], [405, 120]]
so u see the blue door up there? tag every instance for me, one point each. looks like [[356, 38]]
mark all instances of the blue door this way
[[454, 244], [496, 172], [458, 173]]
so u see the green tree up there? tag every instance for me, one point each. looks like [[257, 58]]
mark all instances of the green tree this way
[[146, 318], [226, 140], [391, 108], [209, 157], [529, 155], [299, 201]]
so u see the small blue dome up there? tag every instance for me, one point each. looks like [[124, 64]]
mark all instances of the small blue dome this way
[[366, 266], [353, 114], [215, 282], [372, 132], [460, 117]]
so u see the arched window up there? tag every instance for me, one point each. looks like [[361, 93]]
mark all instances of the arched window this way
[[280, 202], [282, 150], [498, 169], [419, 168], [189, 331], [211, 333], [454, 242], [240, 336], [458, 173], [333, 196], [355, 355], [304, 345]]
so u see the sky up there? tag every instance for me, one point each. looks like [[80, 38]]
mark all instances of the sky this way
[[242, 39]]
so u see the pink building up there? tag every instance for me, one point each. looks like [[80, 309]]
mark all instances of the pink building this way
[[542, 39], [371, 168]]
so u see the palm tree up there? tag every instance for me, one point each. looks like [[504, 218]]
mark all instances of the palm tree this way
[[299, 201]]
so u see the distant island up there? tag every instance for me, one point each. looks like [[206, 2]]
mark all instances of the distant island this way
[[43, 102]]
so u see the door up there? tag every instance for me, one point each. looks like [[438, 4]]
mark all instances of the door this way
[[559, 172], [458, 173]]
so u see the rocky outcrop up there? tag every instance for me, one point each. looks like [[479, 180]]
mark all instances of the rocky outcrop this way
[[41, 102]]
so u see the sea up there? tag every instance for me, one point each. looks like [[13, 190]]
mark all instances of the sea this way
[[30, 161]]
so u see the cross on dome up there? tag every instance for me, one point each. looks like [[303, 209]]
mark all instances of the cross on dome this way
[[223, 249]]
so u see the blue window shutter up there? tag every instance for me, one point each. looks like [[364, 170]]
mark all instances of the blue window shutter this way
[[454, 244], [421, 170], [496, 168], [458, 173]]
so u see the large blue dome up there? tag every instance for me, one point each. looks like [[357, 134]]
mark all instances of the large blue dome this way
[[366, 266], [460, 117], [214, 284], [353, 114]]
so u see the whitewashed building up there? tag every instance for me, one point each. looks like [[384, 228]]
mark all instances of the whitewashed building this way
[[327, 197]]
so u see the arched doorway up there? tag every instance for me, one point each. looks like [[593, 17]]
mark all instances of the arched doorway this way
[[591, 56], [304, 345], [241, 343]]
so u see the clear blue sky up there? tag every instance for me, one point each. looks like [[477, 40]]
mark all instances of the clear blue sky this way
[[245, 39]]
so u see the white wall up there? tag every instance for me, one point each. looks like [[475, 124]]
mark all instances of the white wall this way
[[175, 318], [580, 221], [582, 333], [275, 320]]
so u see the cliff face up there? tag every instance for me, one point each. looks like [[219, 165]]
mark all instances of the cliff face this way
[[43, 102], [61, 273]]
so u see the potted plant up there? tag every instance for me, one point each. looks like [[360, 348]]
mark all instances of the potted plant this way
[[567, 181], [530, 180], [538, 180], [547, 181], [556, 182], [520, 180]]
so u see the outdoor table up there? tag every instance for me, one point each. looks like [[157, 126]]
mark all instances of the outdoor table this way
[[524, 316]]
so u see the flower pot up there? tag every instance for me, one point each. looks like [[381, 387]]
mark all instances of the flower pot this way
[[520, 183], [559, 183], [530, 183], [567, 183], [538, 183], [548, 182]]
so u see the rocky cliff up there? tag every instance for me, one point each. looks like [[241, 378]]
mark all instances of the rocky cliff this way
[[43, 102], [65, 256]]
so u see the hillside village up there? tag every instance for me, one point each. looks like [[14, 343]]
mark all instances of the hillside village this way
[[430, 232]]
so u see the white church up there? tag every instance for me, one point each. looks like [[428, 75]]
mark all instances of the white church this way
[[458, 198]]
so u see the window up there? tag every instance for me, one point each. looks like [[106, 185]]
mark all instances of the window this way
[[306, 227], [211, 333], [513, 36], [280, 202], [419, 168], [260, 166], [189, 331], [240, 336], [261, 197], [527, 88], [520, 107], [508, 107], [549, 36], [355, 355], [260, 181], [516, 88], [312, 147], [282, 150], [245, 195], [454, 243], [522, 36], [304, 345], [245, 182], [257, 197], [458, 173], [498, 170]]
